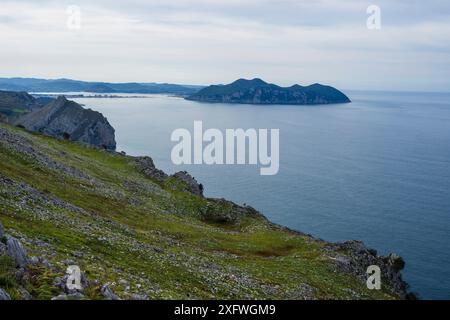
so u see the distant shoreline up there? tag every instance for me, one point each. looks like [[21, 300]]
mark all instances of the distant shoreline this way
[[101, 96]]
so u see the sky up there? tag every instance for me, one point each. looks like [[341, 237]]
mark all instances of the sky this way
[[218, 41]]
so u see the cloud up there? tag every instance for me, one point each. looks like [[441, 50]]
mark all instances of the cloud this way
[[201, 41]]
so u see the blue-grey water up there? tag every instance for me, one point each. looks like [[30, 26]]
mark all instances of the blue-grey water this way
[[377, 169]]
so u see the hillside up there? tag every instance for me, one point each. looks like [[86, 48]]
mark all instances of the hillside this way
[[137, 233], [14, 104], [257, 91]]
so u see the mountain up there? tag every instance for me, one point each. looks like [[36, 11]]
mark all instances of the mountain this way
[[257, 91], [68, 85], [138, 233], [66, 119]]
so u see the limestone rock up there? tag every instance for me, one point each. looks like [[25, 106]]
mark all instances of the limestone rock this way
[[68, 120], [16, 251], [4, 295]]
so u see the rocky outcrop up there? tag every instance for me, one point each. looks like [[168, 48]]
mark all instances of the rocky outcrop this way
[[16, 251], [147, 167], [257, 91], [191, 184], [13, 248], [358, 258], [108, 293], [68, 120], [222, 211]]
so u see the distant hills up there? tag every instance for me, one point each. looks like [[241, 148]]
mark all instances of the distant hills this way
[[68, 85], [257, 91], [13, 104]]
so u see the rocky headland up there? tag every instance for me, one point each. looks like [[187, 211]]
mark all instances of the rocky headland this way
[[59, 118]]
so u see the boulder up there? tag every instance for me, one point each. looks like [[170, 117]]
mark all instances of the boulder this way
[[16, 251], [62, 296], [4, 295], [108, 293]]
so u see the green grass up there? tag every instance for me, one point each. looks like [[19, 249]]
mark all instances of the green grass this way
[[157, 235]]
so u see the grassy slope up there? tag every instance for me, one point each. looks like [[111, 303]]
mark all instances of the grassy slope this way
[[151, 235]]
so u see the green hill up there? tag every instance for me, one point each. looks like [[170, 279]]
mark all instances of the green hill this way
[[257, 91], [142, 234]]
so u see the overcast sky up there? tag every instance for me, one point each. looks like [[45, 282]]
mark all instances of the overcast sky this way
[[218, 41]]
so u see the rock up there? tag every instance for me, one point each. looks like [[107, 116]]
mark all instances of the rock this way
[[77, 254], [68, 120], [2, 231], [123, 282], [192, 185], [395, 261], [16, 251], [71, 296], [25, 294], [34, 260], [359, 257], [58, 282], [62, 296], [4, 295], [147, 167], [3, 249], [108, 293], [139, 297]]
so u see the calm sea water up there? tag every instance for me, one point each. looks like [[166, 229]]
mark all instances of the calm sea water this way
[[377, 169]]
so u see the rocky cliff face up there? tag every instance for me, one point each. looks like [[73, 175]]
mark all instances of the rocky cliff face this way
[[257, 91], [66, 119]]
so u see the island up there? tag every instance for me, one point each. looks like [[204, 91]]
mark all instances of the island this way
[[257, 91]]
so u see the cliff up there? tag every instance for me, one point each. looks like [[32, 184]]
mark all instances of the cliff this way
[[138, 233], [257, 91], [66, 119]]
